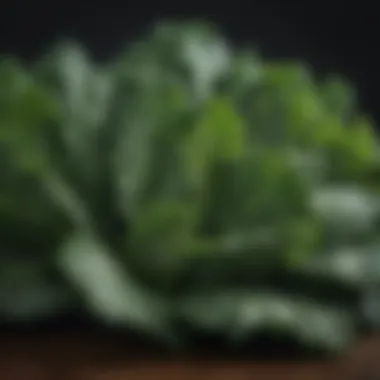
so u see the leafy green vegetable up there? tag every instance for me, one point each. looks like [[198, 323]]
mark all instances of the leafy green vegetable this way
[[186, 183]]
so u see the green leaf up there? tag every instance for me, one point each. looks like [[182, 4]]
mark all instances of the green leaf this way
[[84, 93], [27, 112], [208, 58], [145, 150], [108, 289], [286, 75], [244, 313], [164, 219], [218, 135], [26, 291], [338, 97], [346, 208], [348, 265], [132, 162], [361, 139]]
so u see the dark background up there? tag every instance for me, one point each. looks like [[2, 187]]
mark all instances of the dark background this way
[[332, 36]]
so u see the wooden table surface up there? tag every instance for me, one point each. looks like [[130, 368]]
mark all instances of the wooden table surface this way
[[86, 357]]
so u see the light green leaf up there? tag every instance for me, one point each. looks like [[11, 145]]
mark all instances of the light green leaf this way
[[108, 289], [84, 93], [208, 58], [349, 265], [324, 326], [132, 162], [347, 208], [241, 314]]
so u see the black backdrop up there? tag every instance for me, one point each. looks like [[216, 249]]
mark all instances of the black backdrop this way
[[333, 36]]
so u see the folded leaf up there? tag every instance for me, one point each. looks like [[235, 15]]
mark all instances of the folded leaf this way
[[110, 292]]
